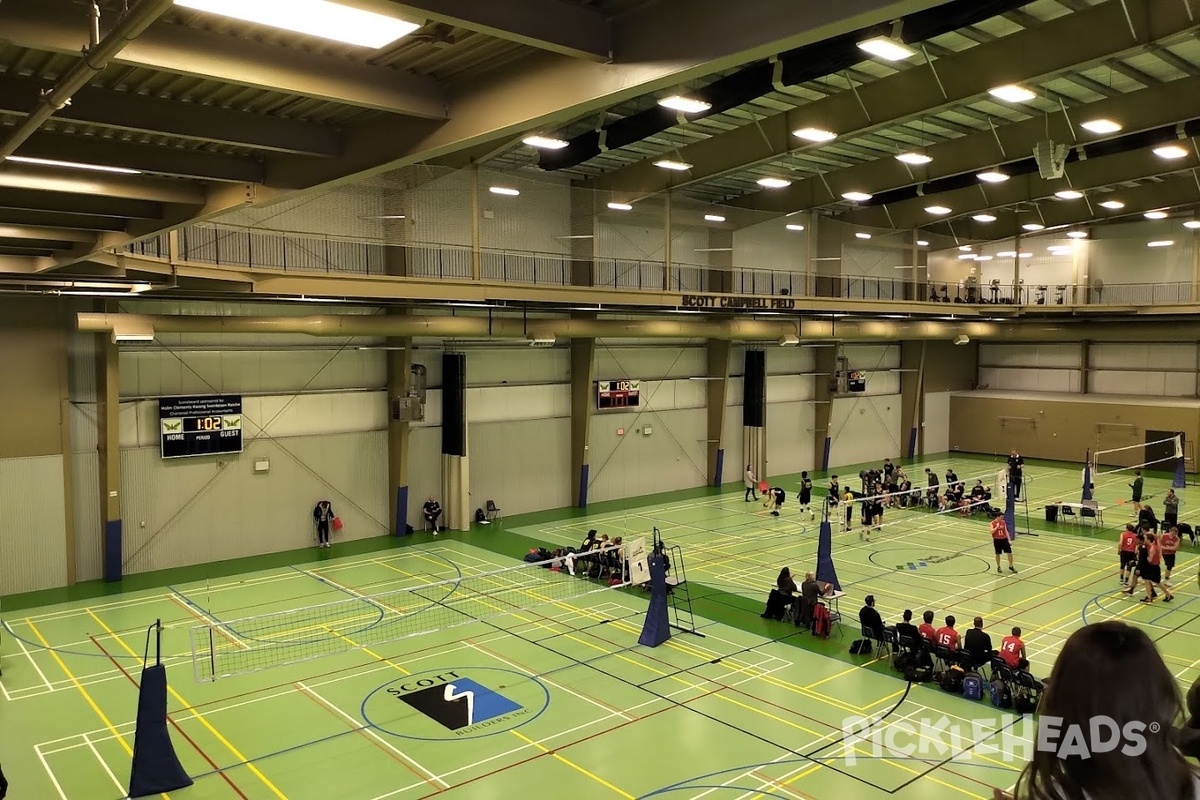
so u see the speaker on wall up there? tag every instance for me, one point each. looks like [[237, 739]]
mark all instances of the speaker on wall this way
[[454, 404]]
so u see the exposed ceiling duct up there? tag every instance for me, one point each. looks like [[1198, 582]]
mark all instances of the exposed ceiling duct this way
[[699, 327], [760, 78]]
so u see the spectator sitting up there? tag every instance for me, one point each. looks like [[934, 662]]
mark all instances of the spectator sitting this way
[[1012, 651], [810, 594], [432, 511], [781, 596], [869, 618], [948, 637], [1146, 519], [926, 629], [1187, 737], [978, 645], [1096, 659], [905, 628]]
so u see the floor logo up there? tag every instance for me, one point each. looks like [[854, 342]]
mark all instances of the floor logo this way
[[456, 703]]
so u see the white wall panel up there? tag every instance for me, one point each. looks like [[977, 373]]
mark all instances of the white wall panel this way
[[33, 545], [790, 388], [501, 403], [192, 511], [1143, 356], [1155, 384], [1030, 380], [524, 365], [865, 429], [674, 456], [425, 470], [789, 438], [731, 437], [788, 360], [151, 373], [523, 465], [89, 528], [649, 363], [1029, 355], [937, 422], [536, 221], [771, 246], [866, 358]]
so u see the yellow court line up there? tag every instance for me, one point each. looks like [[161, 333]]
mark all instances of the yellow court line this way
[[103, 718], [574, 766], [196, 713]]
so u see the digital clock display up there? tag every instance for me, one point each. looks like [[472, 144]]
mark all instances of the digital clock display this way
[[200, 426]]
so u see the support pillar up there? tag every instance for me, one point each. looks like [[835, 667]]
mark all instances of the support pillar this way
[[399, 373], [754, 412], [583, 361], [1085, 367], [108, 449], [456, 472], [912, 396], [826, 365], [716, 389]]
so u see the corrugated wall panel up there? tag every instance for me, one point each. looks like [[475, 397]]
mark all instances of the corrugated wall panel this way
[[865, 429], [673, 456], [89, 528], [33, 547], [789, 439], [523, 466], [425, 470]]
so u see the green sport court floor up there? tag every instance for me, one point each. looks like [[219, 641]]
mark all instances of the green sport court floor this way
[[752, 709]]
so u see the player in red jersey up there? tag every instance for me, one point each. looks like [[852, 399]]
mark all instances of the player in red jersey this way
[[1012, 650], [1168, 542], [1000, 542], [1127, 552], [926, 629], [947, 636]]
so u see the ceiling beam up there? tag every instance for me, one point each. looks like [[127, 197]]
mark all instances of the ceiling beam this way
[[562, 28], [97, 184], [23, 265], [1154, 107], [1174, 191], [52, 219], [1094, 173], [44, 234], [87, 205], [1028, 56], [156, 159], [61, 27]]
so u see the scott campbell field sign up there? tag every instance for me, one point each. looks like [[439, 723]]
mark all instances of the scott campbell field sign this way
[[738, 303]]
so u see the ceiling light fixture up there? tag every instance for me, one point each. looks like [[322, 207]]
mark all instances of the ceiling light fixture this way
[[678, 166], [983, 258], [686, 105], [966, 257], [1155, 215], [984, 218], [861, 235], [886, 48], [504, 190], [1192, 224], [713, 218], [965, 248], [774, 183], [794, 227], [856, 197], [992, 176], [319, 18], [1012, 93], [1068, 194], [922, 243], [1077, 234], [1033, 226], [914, 158], [1164, 243], [545, 142], [1007, 254], [1101, 126], [1171, 152], [937, 210], [815, 134], [50, 162], [1113, 204], [620, 206]]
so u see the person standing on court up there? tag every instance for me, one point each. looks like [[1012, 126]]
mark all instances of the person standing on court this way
[[322, 516], [806, 495], [1016, 467], [1001, 542], [751, 494], [1170, 509], [1135, 489]]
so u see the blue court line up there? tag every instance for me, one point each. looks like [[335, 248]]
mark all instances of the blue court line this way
[[1171, 610]]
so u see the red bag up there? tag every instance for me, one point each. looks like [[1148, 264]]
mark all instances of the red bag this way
[[337, 523]]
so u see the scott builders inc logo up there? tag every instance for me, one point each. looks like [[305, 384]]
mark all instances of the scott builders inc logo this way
[[457, 702]]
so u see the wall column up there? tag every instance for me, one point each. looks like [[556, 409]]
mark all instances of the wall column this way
[[583, 394], [1085, 367], [399, 371], [108, 449], [912, 396], [826, 365], [716, 389], [456, 472], [754, 412]]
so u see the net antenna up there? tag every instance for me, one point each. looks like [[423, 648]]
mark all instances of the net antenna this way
[[222, 649]]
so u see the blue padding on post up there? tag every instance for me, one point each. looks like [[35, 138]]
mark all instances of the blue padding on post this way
[[156, 767], [826, 572], [720, 467], [113, 557], [825, 458], [401, 521], [1010, 513], [1180, 480], [912, 443], [584, 469], [657, 628]]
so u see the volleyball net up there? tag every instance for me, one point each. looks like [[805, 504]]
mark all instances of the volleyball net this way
[[223, 649], [1160, 455]]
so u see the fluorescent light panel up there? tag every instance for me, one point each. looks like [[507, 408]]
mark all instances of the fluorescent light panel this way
[[794, 227], [1077, 234], [1192, 224], [678, 166], [1155, 215], [1033, 226], [713, 218], [914, 158], [504, 190], [886, 48], [1068, 194], [50, 162], [774, 183], [545, 142], [687, 105], [965, 248], [1164, 243], [1113, 204], [984, 218], [922, 243], [856, 197], [861, 235], [937, 210], [1171, 152], [318, 18], [815, 134], [992, 176], [1101, 126], [1012, 93], [620, 206]]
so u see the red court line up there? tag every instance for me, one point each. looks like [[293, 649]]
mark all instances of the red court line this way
[[174, 724], [363, 732]]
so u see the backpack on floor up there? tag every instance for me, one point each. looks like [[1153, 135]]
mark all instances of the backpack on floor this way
[[952, 680], [821, 621], [973, 686], [902, 661], [1025, 704], [918, 673], [1001, 696], [860, 647]]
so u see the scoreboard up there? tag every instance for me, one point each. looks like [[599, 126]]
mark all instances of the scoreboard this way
[[618, 394], [200, 426]]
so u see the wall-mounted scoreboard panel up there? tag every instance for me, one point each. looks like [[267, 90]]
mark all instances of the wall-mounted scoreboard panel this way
[[200, 426], [618, 394]]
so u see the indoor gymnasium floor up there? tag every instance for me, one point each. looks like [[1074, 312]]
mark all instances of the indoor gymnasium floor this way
[[567, 703]]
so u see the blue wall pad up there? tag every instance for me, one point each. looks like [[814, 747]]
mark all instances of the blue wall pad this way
[[113, 556]]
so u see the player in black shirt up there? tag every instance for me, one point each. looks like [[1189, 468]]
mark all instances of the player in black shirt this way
[[806, 495], [432, 511], [1015, 466], [778, 496]]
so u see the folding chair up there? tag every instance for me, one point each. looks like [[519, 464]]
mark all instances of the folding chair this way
[[493, 511], [791, 611], [1067, 511], [880, 643], [1088, 511], [944, 657]]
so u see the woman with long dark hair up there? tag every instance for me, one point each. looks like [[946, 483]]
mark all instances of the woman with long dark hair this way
[[1094, 662]]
